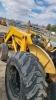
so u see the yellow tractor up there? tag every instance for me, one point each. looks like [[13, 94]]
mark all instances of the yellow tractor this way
[[3, 22], [31, 70]]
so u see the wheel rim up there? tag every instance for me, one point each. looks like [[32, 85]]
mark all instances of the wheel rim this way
[[14, 81]]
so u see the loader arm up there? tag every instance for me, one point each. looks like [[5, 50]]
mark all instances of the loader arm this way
[[17, 37], [13, 32]]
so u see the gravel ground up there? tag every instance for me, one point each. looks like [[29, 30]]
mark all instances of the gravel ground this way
[[4, 28], [2, 69], [2, 79]]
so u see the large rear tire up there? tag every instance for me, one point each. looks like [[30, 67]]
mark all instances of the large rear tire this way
[[25, 78]]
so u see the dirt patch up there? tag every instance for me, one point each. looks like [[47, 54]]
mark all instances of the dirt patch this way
[[2, 81], [2, 78], [4, 28], [2, 69]]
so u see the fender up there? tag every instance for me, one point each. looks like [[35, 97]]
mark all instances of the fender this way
[[44, 58]]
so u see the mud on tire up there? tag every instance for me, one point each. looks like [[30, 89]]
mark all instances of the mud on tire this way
[[25, 78]]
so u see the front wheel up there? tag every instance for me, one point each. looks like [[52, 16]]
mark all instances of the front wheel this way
[[25, 78], [3, 51]]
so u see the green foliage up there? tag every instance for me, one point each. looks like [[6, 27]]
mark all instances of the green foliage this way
[[54, 28], [51, 28]]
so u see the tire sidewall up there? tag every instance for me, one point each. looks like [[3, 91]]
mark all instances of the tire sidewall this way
[[8, 90]]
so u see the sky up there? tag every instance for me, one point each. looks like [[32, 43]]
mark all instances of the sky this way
[[39, 12]]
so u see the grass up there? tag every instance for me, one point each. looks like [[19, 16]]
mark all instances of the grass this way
[[52, 37]]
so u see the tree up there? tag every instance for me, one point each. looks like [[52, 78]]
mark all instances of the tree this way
[[49, 27], [54, 28]]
